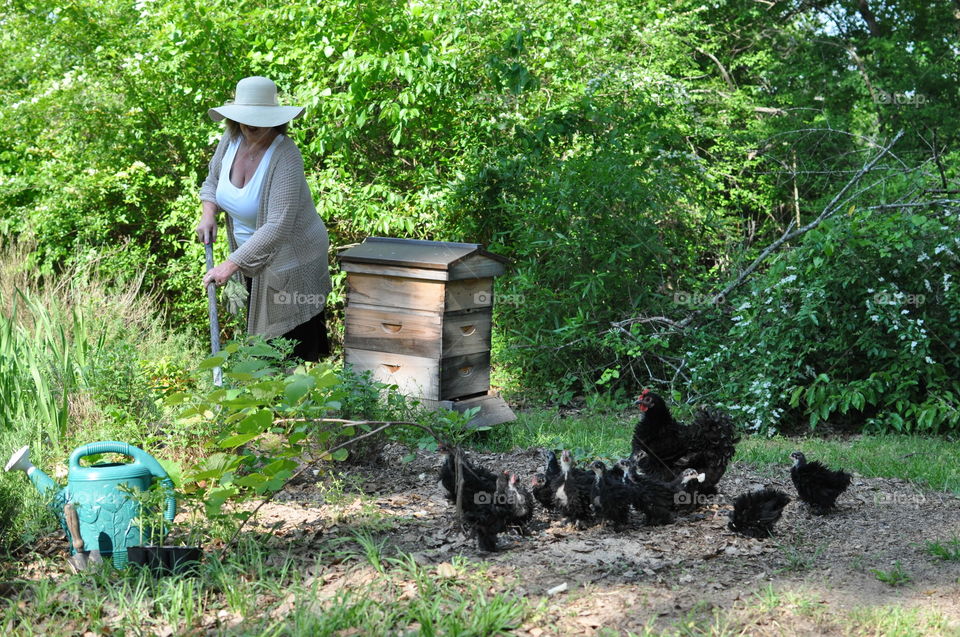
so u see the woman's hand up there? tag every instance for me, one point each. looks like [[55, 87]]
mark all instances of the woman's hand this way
[[207, 228], [220, 274]]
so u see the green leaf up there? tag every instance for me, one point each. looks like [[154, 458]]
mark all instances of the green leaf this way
[[216, 498], [237, 440], [175, 399], [216, 360], [339, 455], [256, 423], [174, 471], [248, 366], [298, 387]]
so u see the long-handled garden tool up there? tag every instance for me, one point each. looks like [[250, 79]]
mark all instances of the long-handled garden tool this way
[[214, 323]]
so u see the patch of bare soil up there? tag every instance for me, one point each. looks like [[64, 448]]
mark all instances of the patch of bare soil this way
[[653, 577]]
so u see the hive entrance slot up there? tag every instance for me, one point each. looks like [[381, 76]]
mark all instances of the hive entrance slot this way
[[393, 369], [466, 371], [393, 328], [468, 330]]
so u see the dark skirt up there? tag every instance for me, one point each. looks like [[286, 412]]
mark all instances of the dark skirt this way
[[310, 338]]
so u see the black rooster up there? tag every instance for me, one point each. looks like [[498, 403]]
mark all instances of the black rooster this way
[[572, 491], [817, 485], [755, 513], [706, 445]]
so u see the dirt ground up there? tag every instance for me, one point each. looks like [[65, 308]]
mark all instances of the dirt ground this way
[[657, 577]]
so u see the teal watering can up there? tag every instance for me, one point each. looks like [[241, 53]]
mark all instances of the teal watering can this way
[[106, 513]]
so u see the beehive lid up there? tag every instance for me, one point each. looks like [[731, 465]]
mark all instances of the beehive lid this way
[[457, 259]]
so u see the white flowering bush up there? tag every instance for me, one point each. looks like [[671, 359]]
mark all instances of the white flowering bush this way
[[858, 326]]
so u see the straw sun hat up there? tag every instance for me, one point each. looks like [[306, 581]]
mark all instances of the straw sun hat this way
[[255, 104]]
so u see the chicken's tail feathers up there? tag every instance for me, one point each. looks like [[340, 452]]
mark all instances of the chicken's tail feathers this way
[[715, 426]]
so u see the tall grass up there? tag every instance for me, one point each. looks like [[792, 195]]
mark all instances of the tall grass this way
[[40, 365], [73, 350]]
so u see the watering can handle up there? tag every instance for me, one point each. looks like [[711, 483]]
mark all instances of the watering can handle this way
[[139, 457]]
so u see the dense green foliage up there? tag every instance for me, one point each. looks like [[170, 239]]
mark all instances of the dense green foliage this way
[[628, 156], [858, 323]]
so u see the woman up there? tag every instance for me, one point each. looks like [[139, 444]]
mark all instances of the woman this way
[[277, 240]]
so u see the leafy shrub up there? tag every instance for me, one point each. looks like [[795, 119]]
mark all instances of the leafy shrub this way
[[855, 326], [265, 424]]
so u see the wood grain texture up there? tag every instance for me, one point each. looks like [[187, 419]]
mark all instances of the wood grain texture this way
[[396, 331], [466, 333], [475, 266], [464, 375], [427, 378], [395, 270], [468, 294], [493, 410], [395, 292], [413, 375]]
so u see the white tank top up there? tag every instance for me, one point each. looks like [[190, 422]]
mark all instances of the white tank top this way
[[242, 204]]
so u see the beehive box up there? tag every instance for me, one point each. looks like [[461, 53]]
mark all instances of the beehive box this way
[[418, 316]]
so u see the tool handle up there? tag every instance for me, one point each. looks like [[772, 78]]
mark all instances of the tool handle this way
[[73, 525], [212, 309]]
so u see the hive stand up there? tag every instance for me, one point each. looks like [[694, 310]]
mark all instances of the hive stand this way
[[418, 316]]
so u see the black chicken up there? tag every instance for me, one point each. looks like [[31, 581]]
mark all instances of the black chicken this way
[[551, 469], [652, 497], [475, 479], [572, 491], [610, 496], [617, 473], [483, 497], [542, 492], [755, 513], [487, 514], [686, 489], [706, 445], [520, 503], [817, 485]]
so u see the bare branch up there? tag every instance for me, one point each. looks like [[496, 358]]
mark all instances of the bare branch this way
[[828, 211], [723, 70]]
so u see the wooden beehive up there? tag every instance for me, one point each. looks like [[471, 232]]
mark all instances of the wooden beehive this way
[[418, 316]]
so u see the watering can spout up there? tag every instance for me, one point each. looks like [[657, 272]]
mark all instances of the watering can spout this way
[[20, 461]]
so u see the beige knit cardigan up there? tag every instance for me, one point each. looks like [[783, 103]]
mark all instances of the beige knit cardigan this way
[[287, 254]]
